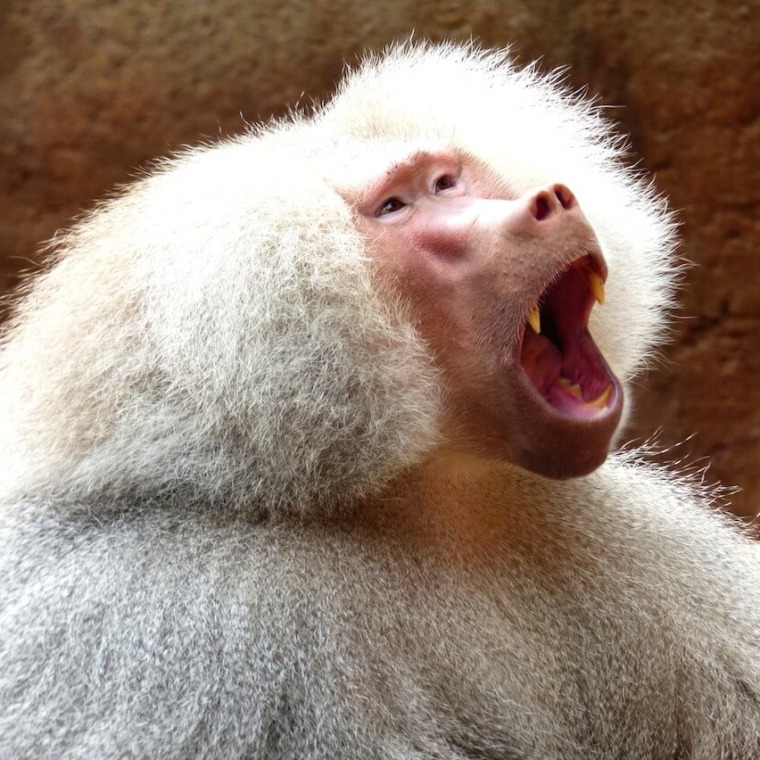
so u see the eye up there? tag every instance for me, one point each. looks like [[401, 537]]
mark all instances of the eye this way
[[390, 206], [444, 182]]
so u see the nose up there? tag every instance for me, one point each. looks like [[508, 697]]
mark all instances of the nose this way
[[551, 201]]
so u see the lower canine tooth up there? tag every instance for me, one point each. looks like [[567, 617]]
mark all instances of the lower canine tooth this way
[[600, 402], [534, 319]]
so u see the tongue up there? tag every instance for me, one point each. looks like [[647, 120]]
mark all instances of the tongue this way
[[587, 394], [541, 360]]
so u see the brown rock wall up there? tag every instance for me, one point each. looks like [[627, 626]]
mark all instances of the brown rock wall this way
[[92, 90]]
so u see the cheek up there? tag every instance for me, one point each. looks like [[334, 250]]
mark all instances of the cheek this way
[[438, 245], [443, 314], [435, 304], [446, 286], [420, 264]]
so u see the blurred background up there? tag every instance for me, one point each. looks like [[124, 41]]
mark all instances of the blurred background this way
[[93, 90]]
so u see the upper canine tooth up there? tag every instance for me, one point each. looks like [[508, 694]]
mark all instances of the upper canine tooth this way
[[534, 319], [595, 283]]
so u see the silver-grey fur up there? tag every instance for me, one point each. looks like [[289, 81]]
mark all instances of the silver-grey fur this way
[[230, 526]]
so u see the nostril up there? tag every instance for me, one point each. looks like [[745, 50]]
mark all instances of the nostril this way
[[552, 200], [541, 207], [564, 196]]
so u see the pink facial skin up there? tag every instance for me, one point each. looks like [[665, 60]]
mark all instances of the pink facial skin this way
[[473, 262]]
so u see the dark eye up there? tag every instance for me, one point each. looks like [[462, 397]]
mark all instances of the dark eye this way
[[444, 183], [390, 206]]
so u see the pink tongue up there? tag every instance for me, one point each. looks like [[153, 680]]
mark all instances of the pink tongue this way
[[541, 360]]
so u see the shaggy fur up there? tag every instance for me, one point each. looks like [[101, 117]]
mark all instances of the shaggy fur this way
[[229, 524]]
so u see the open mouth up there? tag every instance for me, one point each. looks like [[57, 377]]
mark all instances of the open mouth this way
[[558, 355]]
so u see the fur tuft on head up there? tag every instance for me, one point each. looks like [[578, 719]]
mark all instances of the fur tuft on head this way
[[530, 131]]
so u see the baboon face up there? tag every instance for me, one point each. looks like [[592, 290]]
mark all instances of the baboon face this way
[[501, 288]]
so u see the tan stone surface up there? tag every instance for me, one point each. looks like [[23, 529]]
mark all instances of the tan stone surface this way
[[91, 90]]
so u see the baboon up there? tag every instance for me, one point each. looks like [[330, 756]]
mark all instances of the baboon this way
[[307, 451]]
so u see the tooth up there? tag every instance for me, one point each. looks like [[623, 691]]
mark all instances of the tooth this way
[[600, 402], [534, 319], [570, 386], [595, 283]]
